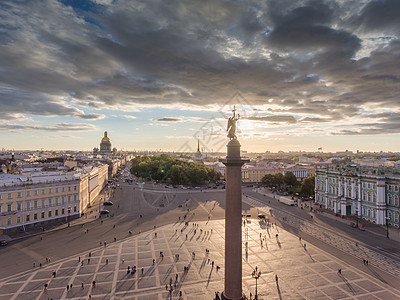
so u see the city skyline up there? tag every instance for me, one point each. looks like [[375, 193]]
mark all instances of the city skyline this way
[[157, 75]]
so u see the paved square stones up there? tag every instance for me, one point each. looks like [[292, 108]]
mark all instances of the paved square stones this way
[[303, 272]]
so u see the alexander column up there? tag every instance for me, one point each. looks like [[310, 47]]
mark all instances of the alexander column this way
[[233, 214]]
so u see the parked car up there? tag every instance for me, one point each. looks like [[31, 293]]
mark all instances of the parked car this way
[[3, 243], [108, 203], [104, 212]]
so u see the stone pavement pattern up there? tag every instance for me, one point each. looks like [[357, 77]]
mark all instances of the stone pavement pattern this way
[[304, 271], [332, 238]]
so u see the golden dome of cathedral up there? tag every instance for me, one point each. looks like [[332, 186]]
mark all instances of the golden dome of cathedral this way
[[105, 139], [105, 145]]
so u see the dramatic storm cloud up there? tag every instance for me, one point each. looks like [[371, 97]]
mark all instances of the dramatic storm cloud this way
[[326, 63]]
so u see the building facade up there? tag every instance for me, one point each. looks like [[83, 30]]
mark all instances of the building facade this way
[[36, 199], [369, 193], [251, 174], [301, 172]]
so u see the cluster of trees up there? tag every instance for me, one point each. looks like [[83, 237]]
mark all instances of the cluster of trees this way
[[168, 169], [279, 181], [308, 187]]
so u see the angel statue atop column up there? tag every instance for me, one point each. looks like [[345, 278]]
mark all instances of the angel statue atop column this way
[[231, 128]]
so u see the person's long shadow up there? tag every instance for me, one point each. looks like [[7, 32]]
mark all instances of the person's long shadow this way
[[376, 274], [348, 284], [278, 242], [209, 276], [279, 290], [305, 249], [169, 271], [203, 263]]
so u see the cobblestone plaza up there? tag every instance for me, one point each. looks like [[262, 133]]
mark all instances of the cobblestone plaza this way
[[303, 271]]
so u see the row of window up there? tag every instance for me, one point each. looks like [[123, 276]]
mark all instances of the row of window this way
[[43, 192], [365, 185], [29, 204], [35, 216], [369, 212], [371, 197]]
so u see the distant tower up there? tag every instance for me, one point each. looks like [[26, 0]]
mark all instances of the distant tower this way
[[105, 145], [198, 152]]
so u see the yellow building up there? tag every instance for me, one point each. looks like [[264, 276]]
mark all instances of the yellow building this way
[[43, 197], [251, 174]]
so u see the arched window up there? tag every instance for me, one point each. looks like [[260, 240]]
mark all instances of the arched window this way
[[390, 199]]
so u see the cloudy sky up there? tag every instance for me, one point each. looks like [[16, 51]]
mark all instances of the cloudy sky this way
[[158, 74]]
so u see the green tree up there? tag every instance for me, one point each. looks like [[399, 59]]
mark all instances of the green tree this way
[[278, 180], [308, 187], [290, 179], [166, 168], [268, 180]]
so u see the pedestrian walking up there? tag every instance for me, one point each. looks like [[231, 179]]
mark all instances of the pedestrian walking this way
[[142, 270], [82, 286], [67, 287], [106, 261]]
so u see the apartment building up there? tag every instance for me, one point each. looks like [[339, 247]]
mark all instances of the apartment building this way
[[37, 198], [252, 174]]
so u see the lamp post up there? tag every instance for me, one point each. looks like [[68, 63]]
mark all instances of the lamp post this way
[[356, 210], [387, 226], [256, 274], [69, 212]]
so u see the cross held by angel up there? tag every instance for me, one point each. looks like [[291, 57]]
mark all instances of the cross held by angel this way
[[231, 128]]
